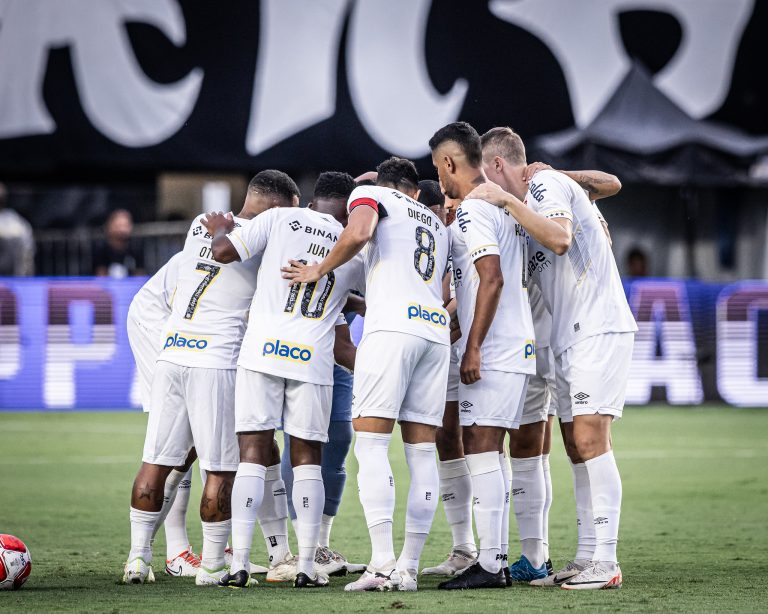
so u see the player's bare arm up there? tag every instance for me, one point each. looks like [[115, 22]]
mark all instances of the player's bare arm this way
[[554, 234], [488, 295], [597, 183], [359, 230], [219, 225], [355, 304], [344, 351]]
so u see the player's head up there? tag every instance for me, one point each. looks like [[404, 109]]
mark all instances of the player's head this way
[[456, 154], [504, 159], [400, 174], [367, 178], [431, 196], [450, 205], [269, 189], [332, 189]]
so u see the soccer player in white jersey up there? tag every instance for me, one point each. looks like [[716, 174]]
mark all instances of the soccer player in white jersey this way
[[455, 481], [193, 388], [285, 371], [592, 339], [402, 361], [529, 446], [497, 342], [147, 315]]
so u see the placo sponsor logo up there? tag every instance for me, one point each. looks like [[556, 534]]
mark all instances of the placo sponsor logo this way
[[287, 350], [435, 317], [529, 349], [176, 341]]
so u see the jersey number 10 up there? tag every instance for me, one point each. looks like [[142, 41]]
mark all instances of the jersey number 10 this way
[[306, 297]]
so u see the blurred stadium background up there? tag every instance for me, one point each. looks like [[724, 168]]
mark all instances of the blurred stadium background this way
[[119, 121]]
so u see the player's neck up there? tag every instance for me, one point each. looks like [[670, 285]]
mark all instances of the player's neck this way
[[469, 179]]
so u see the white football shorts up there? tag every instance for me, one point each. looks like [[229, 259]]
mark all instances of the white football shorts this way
[[402, 377], [264, 402], [145, 345], [454, 377], [192, 406], [539, 397], [494, 400], [591, 376]]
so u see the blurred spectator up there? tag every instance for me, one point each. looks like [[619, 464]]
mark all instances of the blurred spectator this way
[[17, 245], [637, 263], [114, 256]]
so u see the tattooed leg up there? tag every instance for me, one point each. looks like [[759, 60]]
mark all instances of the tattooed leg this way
[[216, 505], [147, 494]]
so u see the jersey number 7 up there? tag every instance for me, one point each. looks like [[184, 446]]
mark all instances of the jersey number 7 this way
[[211, 271], [306, 298]]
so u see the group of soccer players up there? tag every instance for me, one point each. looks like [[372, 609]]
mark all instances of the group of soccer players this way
[[491, 303]]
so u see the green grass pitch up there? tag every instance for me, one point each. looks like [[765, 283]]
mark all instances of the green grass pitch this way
[[694, 534]]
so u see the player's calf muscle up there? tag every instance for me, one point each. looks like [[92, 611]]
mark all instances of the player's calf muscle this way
[[215, 505]]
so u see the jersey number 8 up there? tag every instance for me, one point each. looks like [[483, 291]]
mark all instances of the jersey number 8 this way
[[425, 247]]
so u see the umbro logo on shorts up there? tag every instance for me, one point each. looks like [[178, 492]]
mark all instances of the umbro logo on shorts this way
[[294, 225], [601, 520], [581, 396], [466, 404]]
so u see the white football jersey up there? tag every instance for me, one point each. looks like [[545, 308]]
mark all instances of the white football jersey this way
[[542, 319], [210, 307], [482, 229], [152, 303], [582, 288], [405, 262], [291, 329]]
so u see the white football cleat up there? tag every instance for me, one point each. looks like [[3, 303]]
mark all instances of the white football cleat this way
[[385, 579], [457, 561], [210, 577], [556, 579], [284, 571], [327, 563], [407, 580], [184, 565], [254, 567], [138, 571], [597, 575]]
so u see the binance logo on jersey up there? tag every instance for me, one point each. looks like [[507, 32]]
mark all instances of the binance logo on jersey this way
[[434, 317], [529, 349], [176, 341], [286, 350]]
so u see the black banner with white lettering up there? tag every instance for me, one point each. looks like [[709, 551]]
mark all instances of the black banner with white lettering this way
[[143, 85]]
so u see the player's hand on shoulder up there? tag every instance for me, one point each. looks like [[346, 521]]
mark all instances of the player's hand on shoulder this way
[[298, 272], [217, 222], [470, 366], [489, 192], [533, 168]]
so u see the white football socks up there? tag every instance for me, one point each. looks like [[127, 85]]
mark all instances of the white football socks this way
[[528, 497], [488, 494], [422, 502], [176, 539], [308, 501], [506, 474], [456, 493], [273, 515], [324, 537], [247, 494], [605, 486], [547, 502], [215, 536], [142, 528], [377, 494], [585, 528]]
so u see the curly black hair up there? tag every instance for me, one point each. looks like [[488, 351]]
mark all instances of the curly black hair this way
[[398, 172], [333, 184]]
